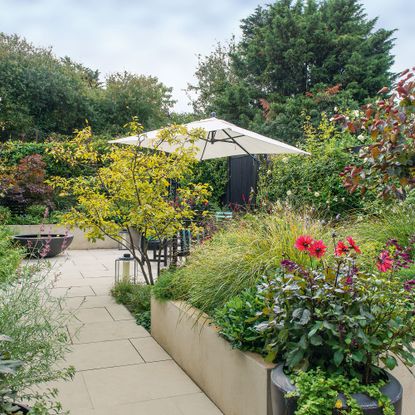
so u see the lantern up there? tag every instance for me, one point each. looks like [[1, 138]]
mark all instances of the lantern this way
[[126, 269], [124, 241]]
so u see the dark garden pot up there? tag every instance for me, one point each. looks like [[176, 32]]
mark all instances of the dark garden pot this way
[[43, 245], [21, 409], [281, 385]]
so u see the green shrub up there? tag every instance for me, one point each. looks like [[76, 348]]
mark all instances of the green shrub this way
[[37, 211], [10, 256], [137, 299], [214, 173], [235, 258], [313, 180], [235, 320], [5, 215]]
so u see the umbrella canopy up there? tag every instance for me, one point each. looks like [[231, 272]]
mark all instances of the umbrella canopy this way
[[222, 139]]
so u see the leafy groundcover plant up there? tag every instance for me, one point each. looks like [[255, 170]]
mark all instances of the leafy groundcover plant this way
[[136, 297], [334, 324]]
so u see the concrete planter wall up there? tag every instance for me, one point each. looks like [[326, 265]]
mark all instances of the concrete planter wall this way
[[79, 240], [238, 383]]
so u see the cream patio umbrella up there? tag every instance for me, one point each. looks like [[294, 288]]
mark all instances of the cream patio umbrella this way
[[222, 139]]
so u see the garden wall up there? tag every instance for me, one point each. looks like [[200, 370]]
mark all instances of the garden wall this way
[[79, 240], [237, 382]]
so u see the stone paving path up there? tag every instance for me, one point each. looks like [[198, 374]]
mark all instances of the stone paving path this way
[[120, 368]]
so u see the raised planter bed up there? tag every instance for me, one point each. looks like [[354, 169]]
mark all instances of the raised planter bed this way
[[237, 382]]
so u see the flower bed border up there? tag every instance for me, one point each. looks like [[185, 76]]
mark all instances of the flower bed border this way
[[237, 382]]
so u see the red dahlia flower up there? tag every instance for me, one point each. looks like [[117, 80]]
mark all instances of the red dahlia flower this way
[[317, 249], [385, 262], [341, 248], [304, 242], [353, 245]]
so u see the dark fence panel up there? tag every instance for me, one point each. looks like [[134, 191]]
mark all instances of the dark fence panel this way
[[243, 175]]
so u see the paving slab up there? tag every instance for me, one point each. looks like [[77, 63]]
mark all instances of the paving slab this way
[[73, 394], [119, 312], [72, 291], [104, 331], [149, 349], [92, 315], [103, 355], [74, 303], [197, 403], [136, 383]]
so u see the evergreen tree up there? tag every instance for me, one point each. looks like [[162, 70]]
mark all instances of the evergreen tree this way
[[294, 57]]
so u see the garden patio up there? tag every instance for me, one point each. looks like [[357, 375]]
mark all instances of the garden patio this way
[[119, 366], [261, 262]]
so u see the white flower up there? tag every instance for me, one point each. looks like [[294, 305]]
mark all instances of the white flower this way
[[284, 159], [289, 192], [356, 113], [269, 172], [316, 194]]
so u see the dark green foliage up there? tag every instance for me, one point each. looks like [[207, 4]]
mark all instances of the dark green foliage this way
[[214, 173], [294, 57], [235, 320], [42, 94], [126, 96], [289, 47], [137, 298]]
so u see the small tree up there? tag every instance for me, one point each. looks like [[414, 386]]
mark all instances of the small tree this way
[[388, 161], [24, 184], [134, 189]]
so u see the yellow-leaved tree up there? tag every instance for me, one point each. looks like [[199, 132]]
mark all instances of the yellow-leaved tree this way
[[140, 190]]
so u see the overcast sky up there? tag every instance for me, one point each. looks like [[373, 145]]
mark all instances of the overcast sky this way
[[161, 37]]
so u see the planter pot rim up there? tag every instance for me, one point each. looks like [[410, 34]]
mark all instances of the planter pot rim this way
[[42, 236], [44, 245], [282, 382]]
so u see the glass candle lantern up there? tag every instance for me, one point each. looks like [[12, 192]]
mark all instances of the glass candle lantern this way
[[126, 269], [123, 243]]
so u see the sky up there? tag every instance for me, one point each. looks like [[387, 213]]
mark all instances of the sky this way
[[160, 37]]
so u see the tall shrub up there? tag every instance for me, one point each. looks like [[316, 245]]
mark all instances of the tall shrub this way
[[313, 180]]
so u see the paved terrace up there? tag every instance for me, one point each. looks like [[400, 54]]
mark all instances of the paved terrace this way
[[119, 367]]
